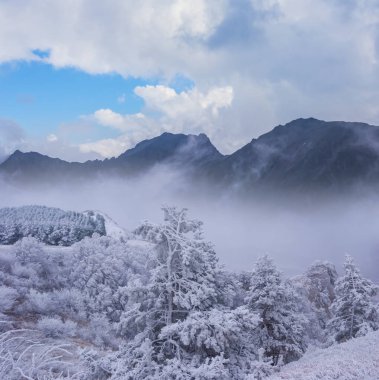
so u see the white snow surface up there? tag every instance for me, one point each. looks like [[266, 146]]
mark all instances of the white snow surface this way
[[356, 359], [140, 244], [111, 227]]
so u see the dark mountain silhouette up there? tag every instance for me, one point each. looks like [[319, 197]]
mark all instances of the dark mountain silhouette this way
[[303, 154], [184, 152], [306, 153]]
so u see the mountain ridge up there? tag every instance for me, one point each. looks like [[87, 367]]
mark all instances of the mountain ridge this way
[[302, 154]]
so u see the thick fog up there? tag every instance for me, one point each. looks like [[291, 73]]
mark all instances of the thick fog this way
[[294, 236]]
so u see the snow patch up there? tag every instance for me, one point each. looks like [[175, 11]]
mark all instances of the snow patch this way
[[356, 359], [112, 229]]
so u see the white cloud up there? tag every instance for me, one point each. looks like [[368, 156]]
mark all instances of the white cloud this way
[[187, 112], [193, 102], [119, 35], [52, 138], [106, 147], [12, 137], [109, 118]]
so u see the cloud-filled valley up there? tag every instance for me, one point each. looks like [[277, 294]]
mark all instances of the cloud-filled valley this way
[[294, 233]]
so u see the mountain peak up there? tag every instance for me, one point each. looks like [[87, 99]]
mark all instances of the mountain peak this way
[[306, 120], [168, 145], [18, 154], [309, 153]]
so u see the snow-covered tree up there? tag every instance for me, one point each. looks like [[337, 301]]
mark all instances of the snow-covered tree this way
[[182, 279], [33, 264], [161, 308], [321, 278], [217, 333], [47, 224], [316, 289], [28, 251], [280, 331], [354, 313], [179, 316]]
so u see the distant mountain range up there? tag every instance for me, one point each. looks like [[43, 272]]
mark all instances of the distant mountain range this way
[[303, 154], [182, 152]]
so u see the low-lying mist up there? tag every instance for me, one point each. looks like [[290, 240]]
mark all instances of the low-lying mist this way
[[294, 234]]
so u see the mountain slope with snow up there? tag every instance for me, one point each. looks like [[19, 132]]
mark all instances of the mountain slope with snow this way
[[112, 229], [54, 226], [356, 359]]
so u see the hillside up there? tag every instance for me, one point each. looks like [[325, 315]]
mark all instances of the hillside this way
[[357, 359], [307, 153], [49, 225], [98, 310]]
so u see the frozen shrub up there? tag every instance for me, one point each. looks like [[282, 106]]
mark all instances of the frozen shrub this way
[[28, 250], [56, 328], [8, 297], [26, 354]]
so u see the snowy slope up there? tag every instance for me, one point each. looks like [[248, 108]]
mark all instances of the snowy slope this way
[[54, 226], [49, 225], [112, 229], [357, 359]]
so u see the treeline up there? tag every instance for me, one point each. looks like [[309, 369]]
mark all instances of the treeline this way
[[48, 225], [163, 308]]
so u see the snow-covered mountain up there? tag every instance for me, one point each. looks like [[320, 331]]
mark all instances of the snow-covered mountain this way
[[54, 226]]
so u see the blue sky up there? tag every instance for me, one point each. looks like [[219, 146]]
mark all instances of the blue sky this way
[[40, 97], [90, 79], [43, 99]]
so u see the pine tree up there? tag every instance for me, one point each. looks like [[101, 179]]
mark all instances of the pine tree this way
[[321, 278], [316, 289], [182, 280], [281, 329], [354, 313], [179, 314]]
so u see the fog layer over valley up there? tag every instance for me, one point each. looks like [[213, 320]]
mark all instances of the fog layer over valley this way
[[294, 232]]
